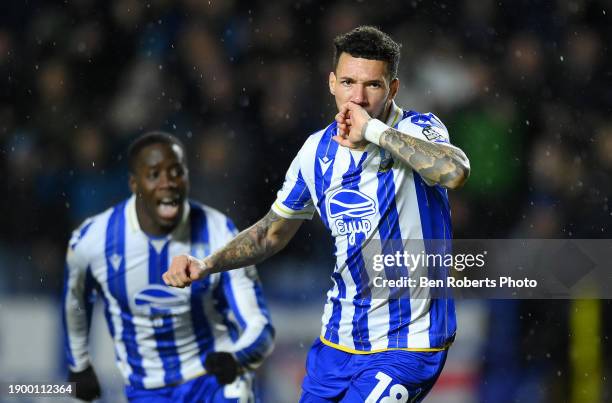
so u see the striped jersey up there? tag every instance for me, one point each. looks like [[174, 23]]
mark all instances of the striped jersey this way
[[366, 198], [161, 334]]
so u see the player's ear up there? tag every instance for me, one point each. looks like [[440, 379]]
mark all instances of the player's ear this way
[[394, 88], [332, 83], [132, 183]]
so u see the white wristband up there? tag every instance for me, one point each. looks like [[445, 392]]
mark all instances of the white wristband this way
[[373, 130]]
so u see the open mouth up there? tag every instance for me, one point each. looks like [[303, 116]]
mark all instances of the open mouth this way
[[168, 207]]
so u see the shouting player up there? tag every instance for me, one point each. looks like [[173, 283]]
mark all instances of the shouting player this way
[[379, 173], [171, 345]]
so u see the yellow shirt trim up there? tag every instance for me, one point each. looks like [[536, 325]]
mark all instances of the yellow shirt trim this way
[[290, 212], [353, 351], [397, 113]]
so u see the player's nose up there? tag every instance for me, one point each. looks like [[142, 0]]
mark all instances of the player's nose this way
[[166, 180], [359, 95]]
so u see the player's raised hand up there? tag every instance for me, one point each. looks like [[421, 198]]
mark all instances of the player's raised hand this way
[[358, 118], [183, 270], [351, 120], [343, 122]]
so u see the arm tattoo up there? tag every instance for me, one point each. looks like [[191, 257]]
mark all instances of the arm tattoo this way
[[249, 247], [438, 163]]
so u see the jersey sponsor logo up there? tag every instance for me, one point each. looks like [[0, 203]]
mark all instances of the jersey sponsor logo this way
[[162, 299], [350, 209], [350, 203]]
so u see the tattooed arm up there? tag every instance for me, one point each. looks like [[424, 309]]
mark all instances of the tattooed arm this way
[[253, 245], [437, 163]]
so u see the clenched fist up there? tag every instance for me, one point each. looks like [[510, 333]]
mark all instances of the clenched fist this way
[[351, 120], [184, 270]]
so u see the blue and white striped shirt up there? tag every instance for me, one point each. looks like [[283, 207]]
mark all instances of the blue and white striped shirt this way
[[161, 334], [363, 196]]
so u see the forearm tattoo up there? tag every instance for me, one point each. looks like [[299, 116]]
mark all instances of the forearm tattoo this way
[[249, 247], [438, 163]]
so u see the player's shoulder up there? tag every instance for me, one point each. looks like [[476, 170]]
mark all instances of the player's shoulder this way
[[327, 131], [421, 118], [90, 232], [314, 139], [426, 123]]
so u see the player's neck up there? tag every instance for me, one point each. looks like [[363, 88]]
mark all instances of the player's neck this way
[[384, 117], [149, 227]]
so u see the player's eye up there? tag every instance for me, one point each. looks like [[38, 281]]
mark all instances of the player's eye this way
[[176, 172], [346, 83], [152, 175], [375, 85]]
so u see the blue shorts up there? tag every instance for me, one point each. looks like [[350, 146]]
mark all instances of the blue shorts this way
[[204, 389], [391, 376]]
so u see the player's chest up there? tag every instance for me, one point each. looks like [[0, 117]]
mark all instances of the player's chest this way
[[131, 275], [355, 180]]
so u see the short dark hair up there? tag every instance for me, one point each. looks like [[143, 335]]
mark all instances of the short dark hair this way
[[154, 137], [369, 42]]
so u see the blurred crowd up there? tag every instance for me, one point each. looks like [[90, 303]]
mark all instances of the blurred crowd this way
[[523, 87]]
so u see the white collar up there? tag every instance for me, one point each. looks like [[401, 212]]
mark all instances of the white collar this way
[[395, 115]]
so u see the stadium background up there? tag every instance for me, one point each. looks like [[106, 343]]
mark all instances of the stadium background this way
[[524, 88]]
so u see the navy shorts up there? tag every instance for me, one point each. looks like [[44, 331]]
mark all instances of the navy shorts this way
[[390, 376], [203, 389]]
